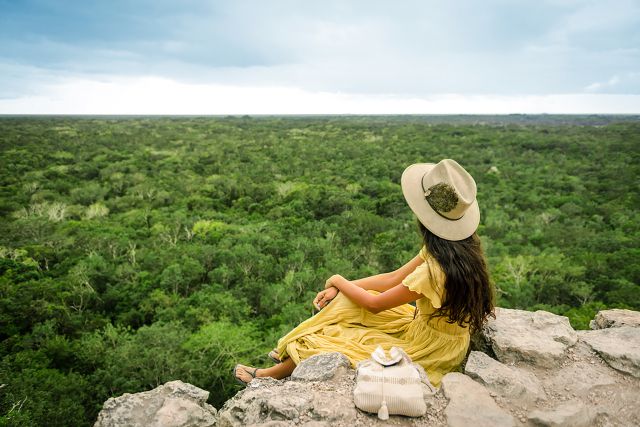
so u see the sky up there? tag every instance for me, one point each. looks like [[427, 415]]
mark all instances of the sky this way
[[319, 57]]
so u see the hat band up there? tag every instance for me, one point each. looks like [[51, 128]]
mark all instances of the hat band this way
[[426, 197]]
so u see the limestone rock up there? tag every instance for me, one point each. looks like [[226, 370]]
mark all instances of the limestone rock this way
[[615, 318], [321, 367], [569, 414], [538, 375], [470, 403], [536, 337], [174, 404], [618, 346], [289, 402], [504, 380], [582, 378]]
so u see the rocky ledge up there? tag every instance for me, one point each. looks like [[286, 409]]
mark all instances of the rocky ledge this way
[[523, 369]]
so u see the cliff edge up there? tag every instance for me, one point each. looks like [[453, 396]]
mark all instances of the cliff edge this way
[[523, 369]]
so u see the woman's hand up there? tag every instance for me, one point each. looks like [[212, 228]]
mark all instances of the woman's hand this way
[[332, 281], [324, 297]]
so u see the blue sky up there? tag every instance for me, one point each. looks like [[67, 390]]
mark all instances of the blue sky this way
[[273, 57]]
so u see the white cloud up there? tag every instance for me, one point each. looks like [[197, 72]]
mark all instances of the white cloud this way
[[629, 80], [153, 95], [597, 86]]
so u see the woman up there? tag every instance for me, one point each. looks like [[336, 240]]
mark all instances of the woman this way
[[448, 279]]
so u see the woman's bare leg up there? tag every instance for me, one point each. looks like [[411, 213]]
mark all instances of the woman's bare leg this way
[[279, 371]]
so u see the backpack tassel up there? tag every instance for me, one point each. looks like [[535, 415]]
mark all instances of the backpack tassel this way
[[383, 412]]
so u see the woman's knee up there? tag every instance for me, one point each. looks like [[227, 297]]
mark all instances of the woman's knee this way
[[343, 300]]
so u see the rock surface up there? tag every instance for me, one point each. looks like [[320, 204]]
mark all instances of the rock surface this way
[[618, 346], [537, 337], [174, 404], [506, 381], [615, 318], [470, 404], [523, 368], [290, 402], [321, 368], [569, 414]]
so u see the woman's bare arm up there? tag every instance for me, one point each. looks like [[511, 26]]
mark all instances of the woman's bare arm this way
[[379, 282], [394, 297], [385, 281]]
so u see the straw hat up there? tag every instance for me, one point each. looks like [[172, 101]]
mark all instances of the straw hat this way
[[443, 197]]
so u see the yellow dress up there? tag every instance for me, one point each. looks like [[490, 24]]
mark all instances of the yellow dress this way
[[343, 326]]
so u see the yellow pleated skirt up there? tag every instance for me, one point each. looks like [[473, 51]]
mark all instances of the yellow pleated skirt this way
[[345, 327]]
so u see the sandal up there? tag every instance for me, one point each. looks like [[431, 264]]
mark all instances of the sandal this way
[[253, 374], [273, 355]]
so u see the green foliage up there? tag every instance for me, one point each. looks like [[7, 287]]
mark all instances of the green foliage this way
[[579, 317], [44, 396], [135, 251], [213, 351]]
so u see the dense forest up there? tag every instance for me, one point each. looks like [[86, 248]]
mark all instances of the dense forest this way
[[134, 251]]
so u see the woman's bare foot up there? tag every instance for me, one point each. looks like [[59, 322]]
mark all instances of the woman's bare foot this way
[[246, 373]]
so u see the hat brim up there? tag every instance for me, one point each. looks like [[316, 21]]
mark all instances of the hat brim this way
[[411, 183]]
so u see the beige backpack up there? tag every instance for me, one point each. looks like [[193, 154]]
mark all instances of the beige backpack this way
[[391, 385]]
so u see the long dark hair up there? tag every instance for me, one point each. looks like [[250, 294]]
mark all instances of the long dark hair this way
[[469, 294]]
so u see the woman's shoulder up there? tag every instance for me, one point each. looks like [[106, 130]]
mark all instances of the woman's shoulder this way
[[431, 262], [427, 279], [423, 253]]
